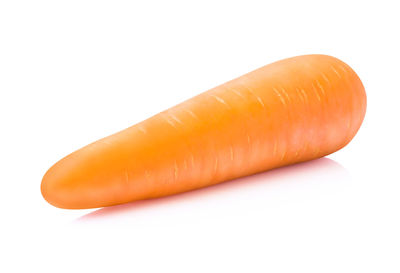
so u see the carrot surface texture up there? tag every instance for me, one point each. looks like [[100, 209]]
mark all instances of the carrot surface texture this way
[[290, 111]]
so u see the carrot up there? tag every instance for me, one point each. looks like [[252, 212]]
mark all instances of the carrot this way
[[290, 111]]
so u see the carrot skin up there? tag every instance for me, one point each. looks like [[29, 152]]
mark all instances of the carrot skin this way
[[290, 111]]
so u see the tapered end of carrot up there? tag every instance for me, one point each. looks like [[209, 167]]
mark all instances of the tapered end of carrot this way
[[61, 189], [71, 184], [49, 192], [88, 178], [57, 191]]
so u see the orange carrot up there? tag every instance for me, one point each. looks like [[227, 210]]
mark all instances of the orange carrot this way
[[290, 111]]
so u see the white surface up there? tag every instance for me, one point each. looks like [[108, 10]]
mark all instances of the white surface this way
[[74, 71]]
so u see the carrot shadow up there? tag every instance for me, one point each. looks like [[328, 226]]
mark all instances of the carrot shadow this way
[[286, 173]]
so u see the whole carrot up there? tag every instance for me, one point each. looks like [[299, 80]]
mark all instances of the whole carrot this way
[[290, 111]]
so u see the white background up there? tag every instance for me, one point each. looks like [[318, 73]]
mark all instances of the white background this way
[[72, 72]]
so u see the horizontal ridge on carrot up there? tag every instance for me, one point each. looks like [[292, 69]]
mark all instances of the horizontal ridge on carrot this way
[[290, 111]]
